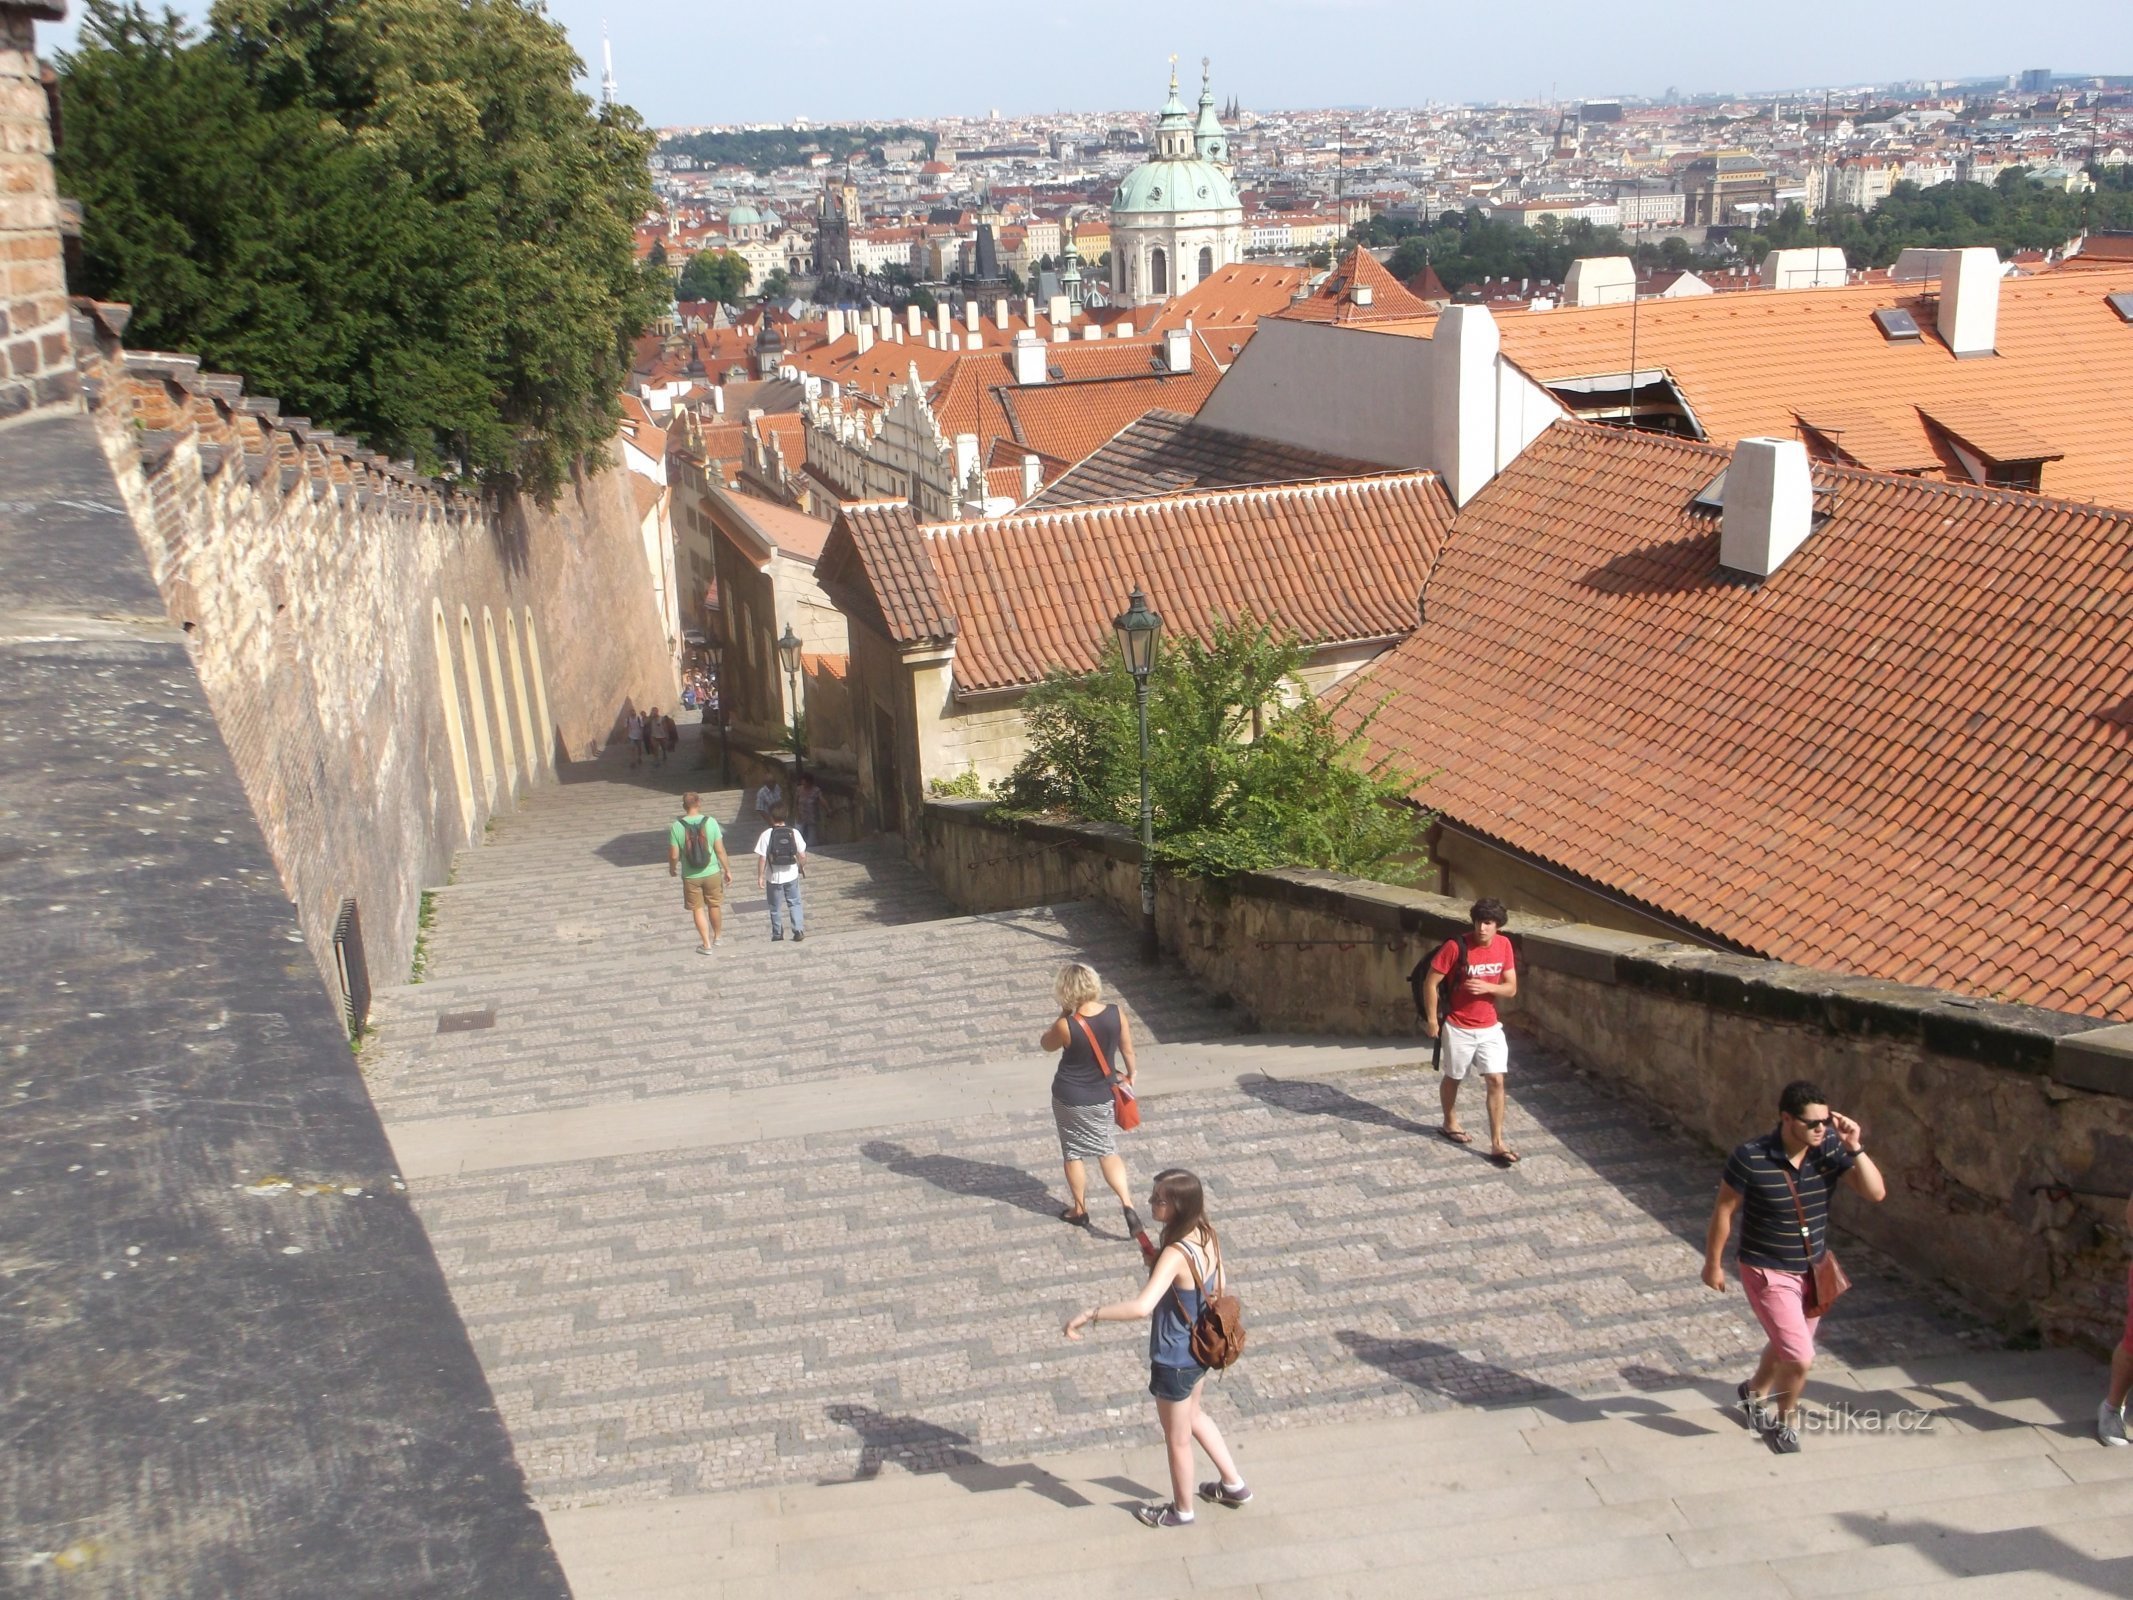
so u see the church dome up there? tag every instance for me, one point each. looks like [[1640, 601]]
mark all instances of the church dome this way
[[744, 216], [1188, 184]]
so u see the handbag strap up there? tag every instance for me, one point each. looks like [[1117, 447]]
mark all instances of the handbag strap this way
[[1103, 1063], [1807, 1238]]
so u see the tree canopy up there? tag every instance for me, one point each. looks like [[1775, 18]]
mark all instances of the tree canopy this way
[[764, 150], [398, 216], [714, 275], [1247, 768]]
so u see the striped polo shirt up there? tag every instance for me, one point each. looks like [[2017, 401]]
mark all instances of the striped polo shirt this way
[[1769, 1226]]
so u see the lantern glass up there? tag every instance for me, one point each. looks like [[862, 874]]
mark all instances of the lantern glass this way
[[1140, 633], [789, 650]]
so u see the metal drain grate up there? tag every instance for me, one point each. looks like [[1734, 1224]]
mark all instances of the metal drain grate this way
[[465, 1021]]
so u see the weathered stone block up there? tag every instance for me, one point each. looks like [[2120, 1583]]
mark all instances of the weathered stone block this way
[[1580, 950], [2100, 1059]]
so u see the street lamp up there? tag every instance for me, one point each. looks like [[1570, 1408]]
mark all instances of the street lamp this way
[[1140, 633], [789, 654], [715, 648]]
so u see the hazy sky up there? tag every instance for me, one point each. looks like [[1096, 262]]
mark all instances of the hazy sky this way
[[834, 59]]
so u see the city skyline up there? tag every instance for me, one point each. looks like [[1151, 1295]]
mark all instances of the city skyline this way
[[1286, 58]]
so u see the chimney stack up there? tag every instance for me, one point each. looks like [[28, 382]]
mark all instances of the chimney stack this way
[[1462, 399], [833, 325], [1060, 309], [999, 313], [971, 315], [966, 456], [1769, 504], [1032, 476], [1029, 358], [1177, 349], [1091, 330], [914, 319], [1969, 319], [866, 337]]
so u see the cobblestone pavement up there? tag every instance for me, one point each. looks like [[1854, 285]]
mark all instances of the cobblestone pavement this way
[[807, 1308]]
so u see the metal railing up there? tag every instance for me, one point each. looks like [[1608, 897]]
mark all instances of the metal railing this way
[[354, 967]]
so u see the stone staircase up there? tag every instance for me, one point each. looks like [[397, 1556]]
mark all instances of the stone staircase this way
[[759, 1255]]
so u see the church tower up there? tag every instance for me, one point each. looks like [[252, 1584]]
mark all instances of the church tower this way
[[1177, 217]]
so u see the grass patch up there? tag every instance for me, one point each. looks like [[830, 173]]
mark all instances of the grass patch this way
[[425, 920]]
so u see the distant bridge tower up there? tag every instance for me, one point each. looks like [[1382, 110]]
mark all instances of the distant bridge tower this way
[[607, 68]]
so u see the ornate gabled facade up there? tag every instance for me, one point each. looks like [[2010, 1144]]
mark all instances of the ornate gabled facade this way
[[897, 453], [1176, 218]]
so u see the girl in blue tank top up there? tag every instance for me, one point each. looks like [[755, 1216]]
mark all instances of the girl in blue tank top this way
[[1170, 1299]]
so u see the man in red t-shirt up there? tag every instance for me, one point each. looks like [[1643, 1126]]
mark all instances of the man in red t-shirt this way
[[1486, 968]]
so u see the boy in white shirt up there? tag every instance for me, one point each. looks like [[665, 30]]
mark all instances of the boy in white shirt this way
[[780, 858]]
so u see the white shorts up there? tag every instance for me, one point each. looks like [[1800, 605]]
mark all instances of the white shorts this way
[[1483, 1049]]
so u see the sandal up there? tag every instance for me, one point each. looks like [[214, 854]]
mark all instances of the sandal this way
[[1506, 1159], [1165, 1516], [1073, 1218], [1455, 1135]]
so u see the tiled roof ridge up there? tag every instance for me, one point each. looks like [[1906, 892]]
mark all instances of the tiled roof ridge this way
[[1824, 471], [1229, 494]]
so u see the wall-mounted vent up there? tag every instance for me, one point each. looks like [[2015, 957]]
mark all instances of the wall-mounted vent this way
[[1897, 325], [2122, 304]]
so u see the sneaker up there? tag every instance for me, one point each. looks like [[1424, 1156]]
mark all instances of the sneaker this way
[[1783, 1439], [777, 938], [2111, 1424], [798, 936], [1163, 1516], [1223, 1495], [1753, 1407], [703, 949]]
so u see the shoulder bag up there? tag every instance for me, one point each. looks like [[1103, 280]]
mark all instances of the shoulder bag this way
[[1217, 1337], [1446, 992], [1826, 1278], [1125, 1104]]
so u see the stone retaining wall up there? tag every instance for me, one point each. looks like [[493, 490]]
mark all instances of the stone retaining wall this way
[[2006, 1132]]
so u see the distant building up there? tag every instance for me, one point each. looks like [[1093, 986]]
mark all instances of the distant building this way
[[1177, 217], [2036, 80], [1721, 188]]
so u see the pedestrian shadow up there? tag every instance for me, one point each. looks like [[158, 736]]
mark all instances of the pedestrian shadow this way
[[1307, 1098], [1964, 1553], [959, 1175], [921, 1447], [1440, 1370], [637, 849]]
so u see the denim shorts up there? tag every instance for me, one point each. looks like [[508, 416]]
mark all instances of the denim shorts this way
[[1174, 1383]]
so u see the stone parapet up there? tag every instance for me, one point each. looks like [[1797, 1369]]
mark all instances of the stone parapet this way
[[36, 356], [2006, 1131]]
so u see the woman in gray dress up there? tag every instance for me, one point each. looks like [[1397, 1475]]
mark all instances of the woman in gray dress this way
[[1081, 1093]]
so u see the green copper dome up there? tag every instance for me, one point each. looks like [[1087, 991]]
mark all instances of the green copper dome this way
[[1169, 186]]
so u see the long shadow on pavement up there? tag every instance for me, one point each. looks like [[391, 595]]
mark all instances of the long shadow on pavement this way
[[1440, 1370], [919, 1446], [1963, 1553], [1305, 1097], [958, 1175]]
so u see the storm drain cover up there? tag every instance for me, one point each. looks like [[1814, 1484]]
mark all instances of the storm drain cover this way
[[465, 1021]]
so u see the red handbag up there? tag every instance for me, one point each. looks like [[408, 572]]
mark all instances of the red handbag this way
[[1125, 1104]]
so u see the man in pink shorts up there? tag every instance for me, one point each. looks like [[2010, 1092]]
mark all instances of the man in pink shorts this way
[[2111, 1414], [1780, 1186]]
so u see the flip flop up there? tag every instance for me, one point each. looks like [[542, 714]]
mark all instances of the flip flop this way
[[1077, 1219], [1506, 1159], [1460, 1137]]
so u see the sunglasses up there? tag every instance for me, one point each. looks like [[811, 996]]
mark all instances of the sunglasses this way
[[1815, 1125]]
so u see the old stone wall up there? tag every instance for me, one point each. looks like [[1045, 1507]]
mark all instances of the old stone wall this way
[[2006, 1132], [390, 662], [36, 354]]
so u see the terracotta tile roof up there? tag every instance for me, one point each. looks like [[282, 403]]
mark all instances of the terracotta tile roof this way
[[1908, 753], [1867, 441], [1334, 299], [874, 564], [794, 532], [1751, 363], [1338, 561], [1235, 296], [1069, 420], [967, 399], [1167, 452]]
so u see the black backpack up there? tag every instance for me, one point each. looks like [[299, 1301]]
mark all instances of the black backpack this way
[[695, 843], [783, 850]]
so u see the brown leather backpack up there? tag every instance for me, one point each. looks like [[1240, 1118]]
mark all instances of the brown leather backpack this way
[[1217, 1337]]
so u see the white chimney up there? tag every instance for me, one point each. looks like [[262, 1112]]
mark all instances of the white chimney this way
[[1769, 506], [1029, 309], [1061, 333], [966, 456], [970, 315], [1969, 319], [1122, 330], [943, 318], [1177, 350], [1600, 281], [1060, 309], [1029, 357], [866, 337], [914, 319], [718, 399], [1032, 476], [897, 328], [833, 325], [933, 339], [1362, 294], [1807, 268], [973, 341], [1091, 330], [1462, 399], [999, 313]]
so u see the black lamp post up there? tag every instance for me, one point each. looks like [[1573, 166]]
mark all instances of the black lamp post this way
[[1139, 636], [789, 654], [715, 648]]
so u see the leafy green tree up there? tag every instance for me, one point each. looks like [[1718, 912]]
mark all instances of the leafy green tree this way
[[714, 275], [1247, 769], [398, 215], [778, 285], [922, 297]]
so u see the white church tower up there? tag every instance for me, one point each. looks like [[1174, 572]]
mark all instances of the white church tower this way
[[1177, 217]]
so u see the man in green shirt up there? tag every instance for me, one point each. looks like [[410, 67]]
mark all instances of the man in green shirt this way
[[696, 852]]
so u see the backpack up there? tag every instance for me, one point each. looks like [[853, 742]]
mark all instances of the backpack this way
[[1217, 1337], [695, 844], [1446, 991], [783, 851]]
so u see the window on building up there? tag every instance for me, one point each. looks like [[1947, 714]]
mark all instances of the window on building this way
[[1207, 263], [1158, 272]]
